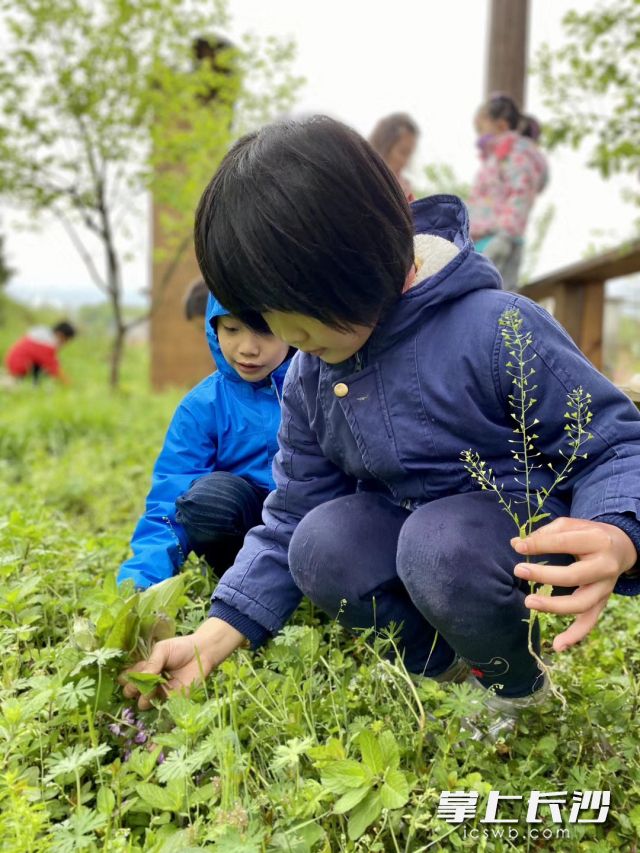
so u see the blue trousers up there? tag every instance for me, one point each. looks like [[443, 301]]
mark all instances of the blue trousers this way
[[216, 512], [444, 573]]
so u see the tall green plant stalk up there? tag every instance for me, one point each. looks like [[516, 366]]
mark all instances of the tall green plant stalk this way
[[519, 345]]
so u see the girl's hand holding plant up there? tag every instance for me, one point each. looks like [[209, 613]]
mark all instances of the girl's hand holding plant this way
[[603, 552], [184, 660]]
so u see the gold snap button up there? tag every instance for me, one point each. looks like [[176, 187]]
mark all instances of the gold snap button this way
[[341, 390]]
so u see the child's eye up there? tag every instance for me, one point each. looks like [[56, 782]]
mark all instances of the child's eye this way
[[230, 329]]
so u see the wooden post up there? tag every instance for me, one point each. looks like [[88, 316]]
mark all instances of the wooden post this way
[[590, 341], [507, 49]]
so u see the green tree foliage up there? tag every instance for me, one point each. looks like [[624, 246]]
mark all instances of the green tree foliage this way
[[5, 276], [95, 93], [591, 86], [441, 178]]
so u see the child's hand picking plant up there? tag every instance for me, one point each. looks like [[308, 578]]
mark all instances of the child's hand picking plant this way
[[603, 552], [183, 660]]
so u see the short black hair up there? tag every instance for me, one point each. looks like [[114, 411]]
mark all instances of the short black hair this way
[[250, 318], [501, 106], [195, 305], [65, 329], [305, 217]]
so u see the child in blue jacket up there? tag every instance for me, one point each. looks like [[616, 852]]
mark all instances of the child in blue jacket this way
[[214, 471], [402, 367]]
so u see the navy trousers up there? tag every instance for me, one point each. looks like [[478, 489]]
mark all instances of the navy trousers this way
[[444, 573], [216, 512]]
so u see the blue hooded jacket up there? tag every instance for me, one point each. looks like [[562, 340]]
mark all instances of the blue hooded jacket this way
[[430, 382], [224, 424]]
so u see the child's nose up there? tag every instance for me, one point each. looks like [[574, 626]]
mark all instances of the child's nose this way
[[249, 346]]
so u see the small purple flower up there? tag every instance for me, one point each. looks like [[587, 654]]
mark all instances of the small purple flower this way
[[128, 716], [161, 758], [140, 738], [115, 729], [127, 755]]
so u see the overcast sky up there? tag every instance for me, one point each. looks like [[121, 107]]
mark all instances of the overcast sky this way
[[361, 61]]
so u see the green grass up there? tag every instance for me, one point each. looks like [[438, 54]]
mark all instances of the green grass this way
[[268, 755]]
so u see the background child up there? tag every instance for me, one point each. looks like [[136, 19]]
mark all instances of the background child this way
[[395, 138], [512, 173], [402, 367], [37, 352], [214, 471]]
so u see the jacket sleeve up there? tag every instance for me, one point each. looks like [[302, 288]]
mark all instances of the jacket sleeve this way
[[521, 178], [159, 543], [607, 481], [258, 594]]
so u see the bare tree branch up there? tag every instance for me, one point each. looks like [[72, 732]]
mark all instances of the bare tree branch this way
[[138, 321], [82, 250]]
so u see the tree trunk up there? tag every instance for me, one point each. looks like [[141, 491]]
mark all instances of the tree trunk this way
[[117, 351], [115, 295]]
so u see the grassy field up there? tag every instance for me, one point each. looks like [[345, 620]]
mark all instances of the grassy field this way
[[314, 744]]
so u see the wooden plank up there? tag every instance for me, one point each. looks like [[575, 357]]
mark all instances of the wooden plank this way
[[591, 321], [619, 262], [632, 393], [568, 309]]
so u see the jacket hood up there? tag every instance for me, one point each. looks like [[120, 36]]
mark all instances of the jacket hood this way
[[451, 273], [215, 309]]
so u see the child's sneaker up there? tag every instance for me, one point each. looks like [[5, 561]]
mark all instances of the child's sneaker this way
[[505, 710], [512, 706], [455, 674]]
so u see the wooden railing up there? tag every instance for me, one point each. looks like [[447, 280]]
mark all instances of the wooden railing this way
[[575, 295]]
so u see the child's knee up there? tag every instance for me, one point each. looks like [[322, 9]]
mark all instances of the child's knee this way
[[317, 559], [309, 551], [439, 554], [210, 486], [213, 506]]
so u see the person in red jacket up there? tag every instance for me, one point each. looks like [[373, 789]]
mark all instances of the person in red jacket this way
[[37, 352]]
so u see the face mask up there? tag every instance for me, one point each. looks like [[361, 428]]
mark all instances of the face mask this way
[[483, 142]]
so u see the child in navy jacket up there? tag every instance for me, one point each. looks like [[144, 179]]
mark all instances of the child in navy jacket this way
[[402, 367]]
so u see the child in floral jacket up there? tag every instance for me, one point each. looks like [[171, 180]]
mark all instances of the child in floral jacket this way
[[512, 173]]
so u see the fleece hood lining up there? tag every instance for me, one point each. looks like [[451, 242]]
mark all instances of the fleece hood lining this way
[[432, 254]]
